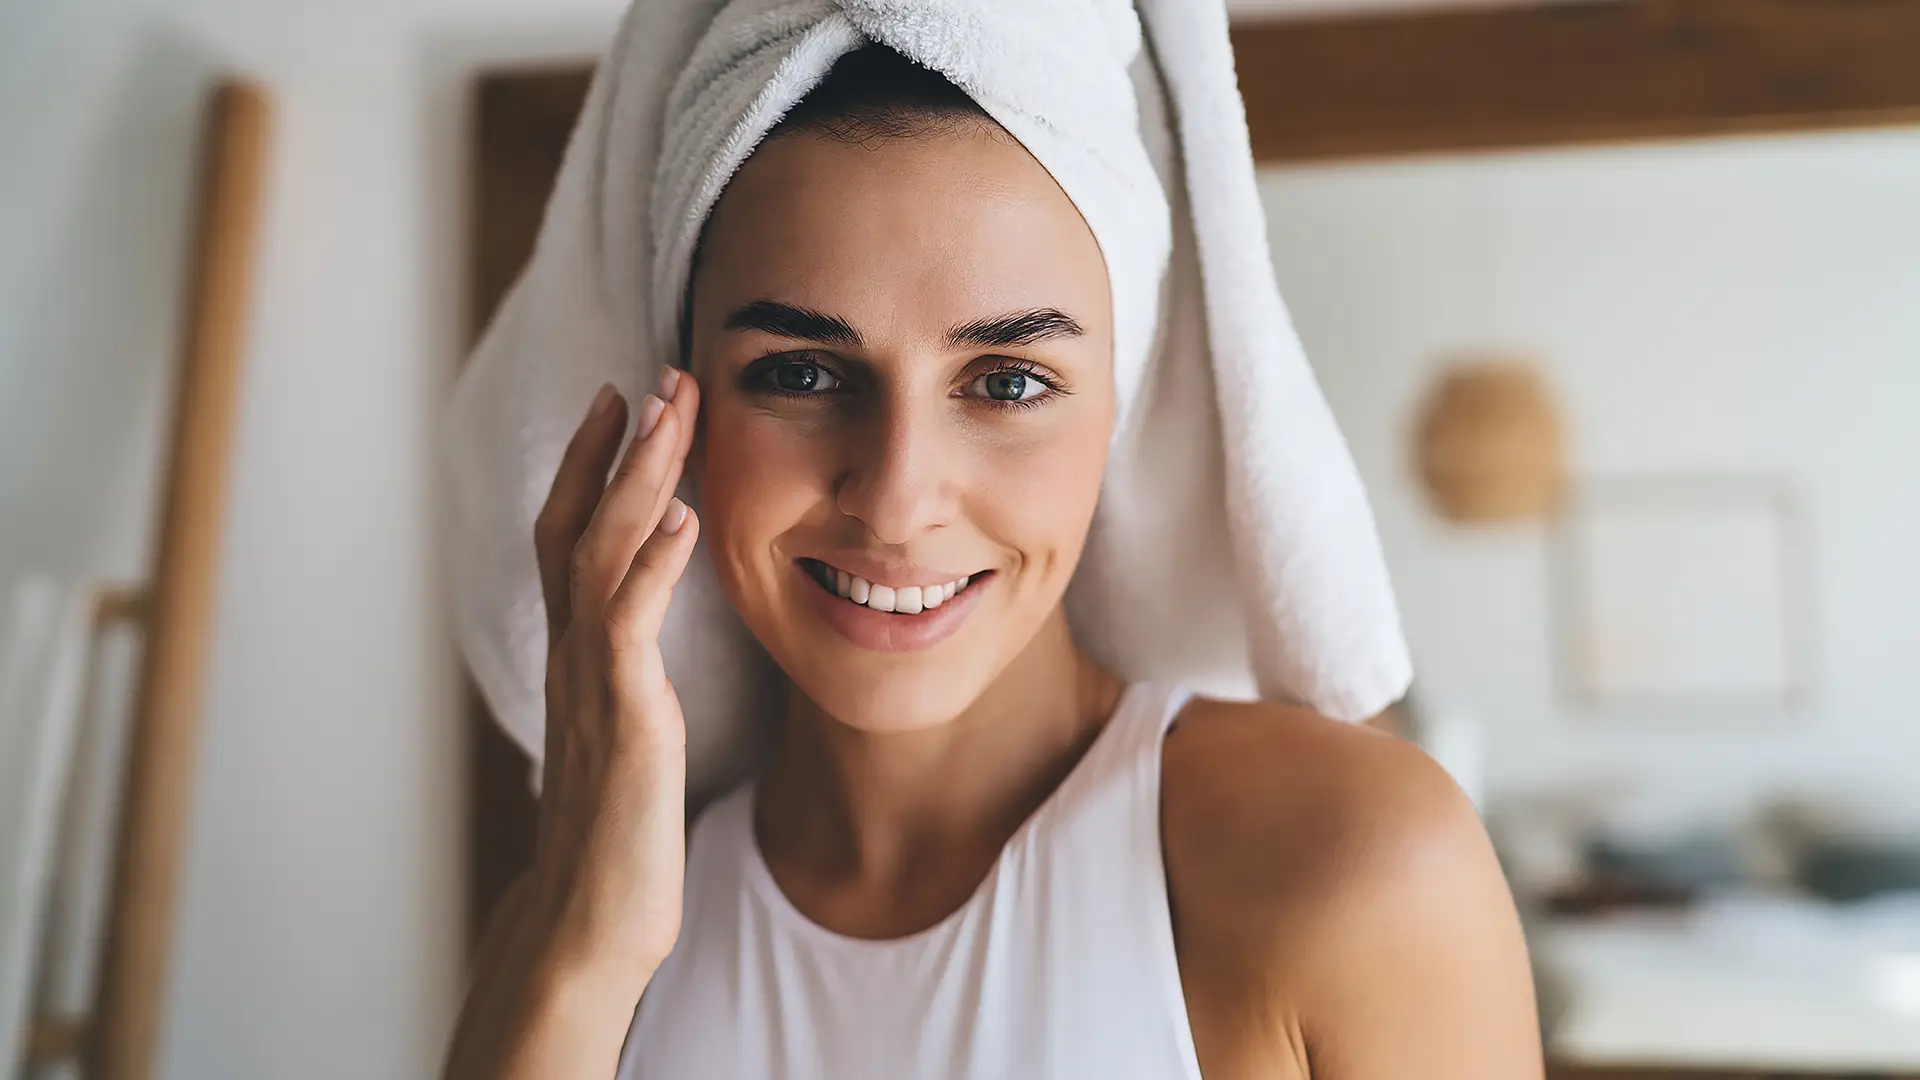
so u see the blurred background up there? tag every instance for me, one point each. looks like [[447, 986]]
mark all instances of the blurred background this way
[[1618, 302]]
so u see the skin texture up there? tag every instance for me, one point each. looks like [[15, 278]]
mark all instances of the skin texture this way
[[1338, 913]]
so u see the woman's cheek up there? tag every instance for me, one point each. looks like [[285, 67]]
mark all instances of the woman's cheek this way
[[756, 480], [737, 469], [1040, 492]]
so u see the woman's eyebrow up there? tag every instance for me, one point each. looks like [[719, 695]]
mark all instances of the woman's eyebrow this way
[[1014, 329], [791, 321]]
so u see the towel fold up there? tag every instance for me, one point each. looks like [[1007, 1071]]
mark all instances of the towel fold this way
[[1233, 548]]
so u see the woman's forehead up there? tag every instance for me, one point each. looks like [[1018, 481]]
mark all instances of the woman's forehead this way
[[908, 233]]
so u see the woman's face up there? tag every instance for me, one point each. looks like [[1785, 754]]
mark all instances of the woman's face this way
[[905, 349]]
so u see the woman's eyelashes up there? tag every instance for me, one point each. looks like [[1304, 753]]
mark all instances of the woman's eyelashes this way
[[1017, 383], [998, 382], [803, 377], [792, 375]]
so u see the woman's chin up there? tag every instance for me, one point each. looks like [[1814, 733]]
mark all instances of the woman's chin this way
[[890, 693]]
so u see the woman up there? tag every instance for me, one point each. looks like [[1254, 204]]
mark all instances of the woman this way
[[976, 850]]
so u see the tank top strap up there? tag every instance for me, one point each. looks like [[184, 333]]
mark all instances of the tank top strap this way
[[1131, 744], [1118, 779], [1155, 708], [1097, 875], [1110, 802]]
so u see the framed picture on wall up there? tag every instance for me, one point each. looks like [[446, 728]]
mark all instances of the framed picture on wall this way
[[1684, 591]]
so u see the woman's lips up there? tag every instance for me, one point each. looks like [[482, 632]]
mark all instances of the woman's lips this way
[[883, 631]]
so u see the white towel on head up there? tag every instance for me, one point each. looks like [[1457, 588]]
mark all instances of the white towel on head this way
[[1233, 547]]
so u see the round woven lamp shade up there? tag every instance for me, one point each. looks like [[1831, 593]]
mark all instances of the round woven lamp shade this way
[[1488, 443]]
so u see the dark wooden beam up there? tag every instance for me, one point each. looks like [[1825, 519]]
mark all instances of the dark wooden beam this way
[[521, 123], [1588, 71]]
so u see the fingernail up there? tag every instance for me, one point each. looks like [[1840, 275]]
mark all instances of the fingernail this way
[[601, 400], [674, 518], [669, 381], [650, 410]]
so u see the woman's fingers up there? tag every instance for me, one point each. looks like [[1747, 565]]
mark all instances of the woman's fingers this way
[[681, 397], [639, 605], [637, 495], [572, 499]]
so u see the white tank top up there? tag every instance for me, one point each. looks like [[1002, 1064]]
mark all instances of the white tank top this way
[[1060, 965]]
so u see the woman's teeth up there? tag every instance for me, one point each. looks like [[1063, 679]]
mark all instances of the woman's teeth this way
[[906, 600]]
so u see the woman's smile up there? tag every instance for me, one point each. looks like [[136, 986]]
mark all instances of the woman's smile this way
[[893, 611]]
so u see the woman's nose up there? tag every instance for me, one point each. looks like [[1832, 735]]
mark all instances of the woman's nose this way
[[898, 472]]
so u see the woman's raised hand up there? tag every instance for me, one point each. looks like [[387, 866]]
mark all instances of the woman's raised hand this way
[[578, 937], [611, 855]]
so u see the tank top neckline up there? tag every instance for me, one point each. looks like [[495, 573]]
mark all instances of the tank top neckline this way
[[1130, 713]]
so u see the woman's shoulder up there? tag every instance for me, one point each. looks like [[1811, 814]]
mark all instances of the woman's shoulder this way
[[1293, 840], [1286, 789]]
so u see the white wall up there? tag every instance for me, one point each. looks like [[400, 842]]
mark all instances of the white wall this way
[[1727, 306], [320, 932]]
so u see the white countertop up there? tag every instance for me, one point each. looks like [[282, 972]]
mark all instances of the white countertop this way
[[1737, 982]]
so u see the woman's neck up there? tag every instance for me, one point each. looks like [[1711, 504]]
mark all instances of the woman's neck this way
[[841, 804]]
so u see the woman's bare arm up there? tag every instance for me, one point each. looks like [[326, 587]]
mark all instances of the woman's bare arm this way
[[1339, 909], [1423, 970], [525, 1016]]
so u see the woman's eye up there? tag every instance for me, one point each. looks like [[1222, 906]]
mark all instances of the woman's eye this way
[[1008, 386], [800, 377]]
